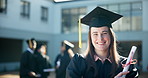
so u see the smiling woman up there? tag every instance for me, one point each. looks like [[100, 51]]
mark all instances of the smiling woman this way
[[101, 59], [100, 38]]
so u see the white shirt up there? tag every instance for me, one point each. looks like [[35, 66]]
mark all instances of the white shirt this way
[[31, 51]]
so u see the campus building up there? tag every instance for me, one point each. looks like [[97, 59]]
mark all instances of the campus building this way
[[52, 22]]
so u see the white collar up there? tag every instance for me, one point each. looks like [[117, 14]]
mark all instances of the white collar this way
[[31, 51]]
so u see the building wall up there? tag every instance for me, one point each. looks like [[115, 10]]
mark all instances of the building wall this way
[[13, 26], [13, 19], [121, 36]]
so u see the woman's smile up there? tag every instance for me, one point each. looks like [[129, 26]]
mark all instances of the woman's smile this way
[[100, 38]]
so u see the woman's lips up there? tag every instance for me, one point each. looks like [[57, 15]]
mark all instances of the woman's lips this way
[[100, 43]]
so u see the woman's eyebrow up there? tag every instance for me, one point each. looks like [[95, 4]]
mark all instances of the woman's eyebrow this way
[[95, 32], [102, 31], [105, 31]]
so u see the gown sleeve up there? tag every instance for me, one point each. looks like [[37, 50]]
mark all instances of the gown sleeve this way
[[76, 67], [133, 72]]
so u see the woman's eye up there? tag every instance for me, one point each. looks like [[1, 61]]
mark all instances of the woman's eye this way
[[95, 34], [104, 32]]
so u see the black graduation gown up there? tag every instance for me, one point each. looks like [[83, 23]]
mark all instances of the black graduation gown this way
[[78, 68], [41, 64], [58, 58], [64, 61], [27, 64]]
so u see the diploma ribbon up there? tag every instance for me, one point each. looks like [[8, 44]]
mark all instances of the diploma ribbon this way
[[132, 61]]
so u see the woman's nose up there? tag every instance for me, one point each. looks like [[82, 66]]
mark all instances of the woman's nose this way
[[100, 36]]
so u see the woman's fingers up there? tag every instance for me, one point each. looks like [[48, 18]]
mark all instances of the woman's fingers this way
[[121, 74]]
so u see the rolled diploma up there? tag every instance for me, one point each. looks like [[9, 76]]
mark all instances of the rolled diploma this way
[[130, 57], [49, 70]]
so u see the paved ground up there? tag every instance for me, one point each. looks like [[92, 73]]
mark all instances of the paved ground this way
[[15, 75]]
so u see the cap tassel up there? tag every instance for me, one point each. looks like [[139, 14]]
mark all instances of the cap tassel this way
[[80, 35]]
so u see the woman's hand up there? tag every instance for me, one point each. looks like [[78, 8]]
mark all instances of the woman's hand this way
[[121, 74], [32, 74]]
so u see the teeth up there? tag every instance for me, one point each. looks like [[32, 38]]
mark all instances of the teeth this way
[[100, 43]]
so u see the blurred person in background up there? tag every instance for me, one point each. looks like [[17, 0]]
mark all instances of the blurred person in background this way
[[62, 60], [42, 61], [27, 61]]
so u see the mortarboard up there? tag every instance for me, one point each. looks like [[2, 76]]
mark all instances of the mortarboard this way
[[97, 18], [67, 44]]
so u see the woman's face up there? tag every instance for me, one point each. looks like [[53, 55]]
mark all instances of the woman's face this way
[[34, 44], [100, 38], [62, 48], [43, 49]]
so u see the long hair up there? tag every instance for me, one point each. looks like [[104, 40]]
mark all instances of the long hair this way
[[114, 56]]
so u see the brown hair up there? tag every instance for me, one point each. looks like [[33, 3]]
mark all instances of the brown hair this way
[[30, 42], [114, 56]]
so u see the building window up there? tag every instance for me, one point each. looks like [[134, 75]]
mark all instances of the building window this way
[[25, 9], [3, 6], [132, 12], [70, 19], [44, 14], [125, 10], [136, 16]]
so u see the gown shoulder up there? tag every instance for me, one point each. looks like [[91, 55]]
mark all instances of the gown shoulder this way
[[76, 67]]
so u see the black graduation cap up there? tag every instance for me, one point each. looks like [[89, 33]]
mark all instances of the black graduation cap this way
[[97, 18], [67, 44], [100, 17]]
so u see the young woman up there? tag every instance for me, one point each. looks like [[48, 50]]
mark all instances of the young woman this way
[[102, 59], [42, 61], [62, 60], [27, 61]]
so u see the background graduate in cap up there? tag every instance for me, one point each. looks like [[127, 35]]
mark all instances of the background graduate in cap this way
[[27, 61], [101, 59], [42, 60], [62, 60]]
